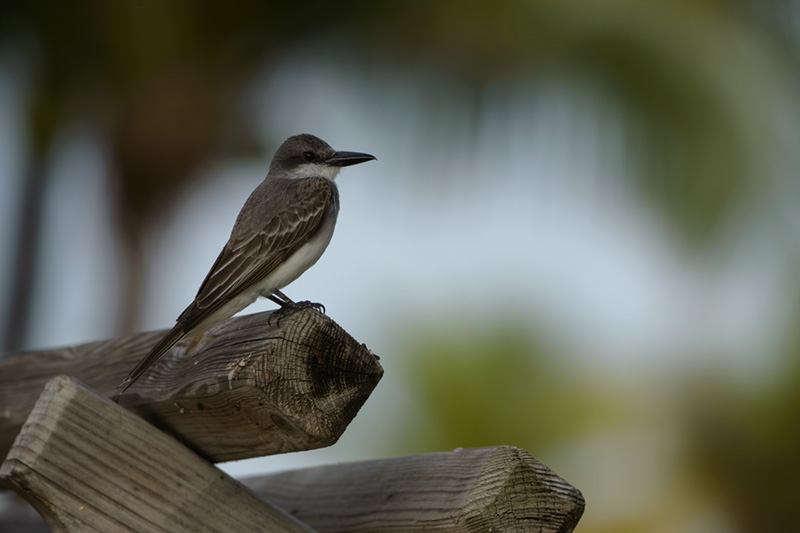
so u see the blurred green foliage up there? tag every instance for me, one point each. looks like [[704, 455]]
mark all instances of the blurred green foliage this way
[[684, 68], [745, 446], [485, 389]]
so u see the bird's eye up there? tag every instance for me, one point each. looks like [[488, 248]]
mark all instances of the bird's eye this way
[[308, 156]]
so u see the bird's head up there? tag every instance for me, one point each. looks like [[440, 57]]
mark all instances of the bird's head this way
[[303, 156]]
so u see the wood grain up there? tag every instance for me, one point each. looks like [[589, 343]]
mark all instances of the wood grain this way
[[86, 464], [468, 490], [245, 388]]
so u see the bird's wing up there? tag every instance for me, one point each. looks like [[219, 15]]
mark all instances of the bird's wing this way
[[256, 249]]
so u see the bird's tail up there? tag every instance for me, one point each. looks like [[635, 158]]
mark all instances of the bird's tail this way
[[166, 342]]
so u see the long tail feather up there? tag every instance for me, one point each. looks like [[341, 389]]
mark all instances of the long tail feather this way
[[166, 342]]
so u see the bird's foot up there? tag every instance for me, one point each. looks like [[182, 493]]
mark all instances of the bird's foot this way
[[305, 304], [290, 308]]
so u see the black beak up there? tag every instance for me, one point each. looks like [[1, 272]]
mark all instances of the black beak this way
[[345, 159]]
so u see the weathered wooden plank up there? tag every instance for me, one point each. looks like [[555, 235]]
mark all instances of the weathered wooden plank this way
[[245, 388], [484, 489], [467, 490], [86, 464]]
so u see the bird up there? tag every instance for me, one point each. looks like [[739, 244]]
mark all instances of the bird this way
[[281, 231]]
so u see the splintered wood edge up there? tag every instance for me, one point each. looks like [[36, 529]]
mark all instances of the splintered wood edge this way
[[468, 490], [87, 464]]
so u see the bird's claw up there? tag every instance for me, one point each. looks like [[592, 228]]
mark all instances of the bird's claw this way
[[290, 308], [315, 305]]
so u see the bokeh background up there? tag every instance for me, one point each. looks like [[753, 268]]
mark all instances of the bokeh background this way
[[581, 236]]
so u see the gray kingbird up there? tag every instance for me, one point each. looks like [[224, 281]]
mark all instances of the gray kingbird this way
[[282, 229]]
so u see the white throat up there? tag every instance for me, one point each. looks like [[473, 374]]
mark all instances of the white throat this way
[[311, 170]]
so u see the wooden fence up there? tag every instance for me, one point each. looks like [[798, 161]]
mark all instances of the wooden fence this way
[[246, 388]]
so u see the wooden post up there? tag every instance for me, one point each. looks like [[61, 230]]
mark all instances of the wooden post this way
[[87, 464], [467, 490], [245, 388]]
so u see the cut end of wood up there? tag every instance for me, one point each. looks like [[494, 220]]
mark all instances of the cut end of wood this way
[[467, 490], [256, 389], [550, 499]]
